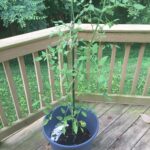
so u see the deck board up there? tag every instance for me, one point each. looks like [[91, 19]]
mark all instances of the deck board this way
[[144, 143], [110, 116], [113, 132], [132, 135], [119, 125], [101, 109]]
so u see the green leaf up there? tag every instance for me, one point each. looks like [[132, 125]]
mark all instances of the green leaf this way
[[83, 124], [43, 53], [76, 112], [49, 107], [59, 118], [75, 127], [82, 58], [36, 103], [66, 53], [68, 118], [62, 110], [138, 6], [38, 58], [95, 48], [46, 122], [82, 130], [113, 1], [64, 130], [84, 114], [80, 3], [91, 7], [46, 111], [50, 117], [103, 60], [125, 1]]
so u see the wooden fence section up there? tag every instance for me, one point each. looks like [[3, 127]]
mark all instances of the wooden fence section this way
[[31, 43]]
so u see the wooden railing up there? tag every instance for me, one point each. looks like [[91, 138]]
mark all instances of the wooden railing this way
[[16, 48]]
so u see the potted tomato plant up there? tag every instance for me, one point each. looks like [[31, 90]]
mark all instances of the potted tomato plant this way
[[71, 126]]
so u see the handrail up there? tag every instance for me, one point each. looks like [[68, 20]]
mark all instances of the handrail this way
[[133, 28], [45, 33], [118, 33], [31, 42], [25, 38]]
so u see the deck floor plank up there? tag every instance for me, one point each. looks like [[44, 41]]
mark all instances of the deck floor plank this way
[[114, 121], [113, 132], [111, 115], [132, 135], [101, 109], [144, 142]]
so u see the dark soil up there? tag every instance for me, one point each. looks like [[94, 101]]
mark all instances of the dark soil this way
[[71, 139]]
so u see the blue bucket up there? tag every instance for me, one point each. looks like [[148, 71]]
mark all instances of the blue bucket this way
[[92, 125]]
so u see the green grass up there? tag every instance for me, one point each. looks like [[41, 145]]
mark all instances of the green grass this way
[[84, 85]]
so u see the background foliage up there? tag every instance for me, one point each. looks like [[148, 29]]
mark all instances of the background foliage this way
[[21, 16]]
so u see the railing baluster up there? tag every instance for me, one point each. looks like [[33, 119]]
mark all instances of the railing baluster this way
[[12, 88], [100, 51], [138, 68], [88, 64], [147, 83], [3, 117], [112, 64], [51, 77], [61, 62], [124, 67], [38, 77], [25, 83]]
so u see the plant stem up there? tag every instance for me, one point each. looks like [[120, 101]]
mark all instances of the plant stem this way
[[73, 55]]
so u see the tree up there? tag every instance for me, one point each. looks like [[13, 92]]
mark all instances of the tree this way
[[21, 13]]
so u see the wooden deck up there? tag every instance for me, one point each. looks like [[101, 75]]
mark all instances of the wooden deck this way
[[121, 128]]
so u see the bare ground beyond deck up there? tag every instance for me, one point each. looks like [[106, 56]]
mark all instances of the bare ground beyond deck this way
[[121, 128]]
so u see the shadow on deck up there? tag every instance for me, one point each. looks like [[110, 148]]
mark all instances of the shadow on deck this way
[[121, 128]]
